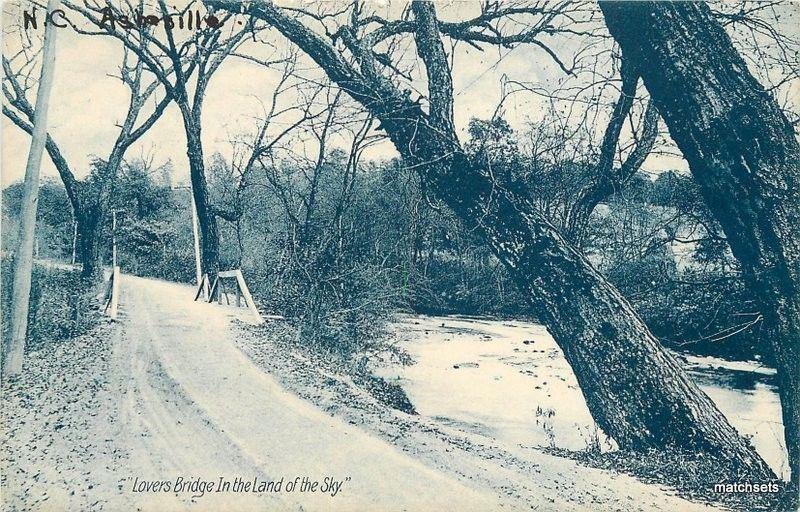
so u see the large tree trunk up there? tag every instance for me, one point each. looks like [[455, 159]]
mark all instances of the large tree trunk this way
[[14, 346], [742, 152], [89, 222], [635, 390], [209, 233]]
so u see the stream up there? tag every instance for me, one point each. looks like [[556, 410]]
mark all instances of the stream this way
[[509, 381]]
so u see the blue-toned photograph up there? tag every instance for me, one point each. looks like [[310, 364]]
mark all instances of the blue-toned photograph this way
[[416, 255]]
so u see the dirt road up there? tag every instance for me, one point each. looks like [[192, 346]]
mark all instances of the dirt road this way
[[164, 394], [193, 405]]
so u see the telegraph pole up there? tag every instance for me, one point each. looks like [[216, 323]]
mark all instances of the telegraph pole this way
[[198, 265], [74, 240], [113, 239], [14, 348]]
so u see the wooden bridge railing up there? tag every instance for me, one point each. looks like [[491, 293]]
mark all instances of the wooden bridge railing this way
[[218, 290]]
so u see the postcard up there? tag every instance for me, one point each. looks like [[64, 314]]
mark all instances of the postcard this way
[[369, 255]]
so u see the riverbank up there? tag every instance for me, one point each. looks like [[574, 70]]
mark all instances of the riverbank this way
[[504, 386], [523, 477]]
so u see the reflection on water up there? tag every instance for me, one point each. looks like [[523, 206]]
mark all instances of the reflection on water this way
[[510, 382], [742, 380]]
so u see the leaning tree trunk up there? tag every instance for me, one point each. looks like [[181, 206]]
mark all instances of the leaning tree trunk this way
[[742, 152], [635, 390], [209, 233]]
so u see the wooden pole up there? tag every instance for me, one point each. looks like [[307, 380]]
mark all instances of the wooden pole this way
[[115, 284], [74, 240], [14, 348], [113, 239], [198, 269]]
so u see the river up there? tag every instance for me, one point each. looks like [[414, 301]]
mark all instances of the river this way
[[509, 381]]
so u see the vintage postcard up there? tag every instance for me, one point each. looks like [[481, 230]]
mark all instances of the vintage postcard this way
[[378, 255]]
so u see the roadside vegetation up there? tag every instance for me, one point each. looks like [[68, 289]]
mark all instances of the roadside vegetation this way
[[338, 268], [63, 305]]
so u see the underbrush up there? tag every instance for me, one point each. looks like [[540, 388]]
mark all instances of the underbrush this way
[[286, 338], [63, 305], [338, 312]]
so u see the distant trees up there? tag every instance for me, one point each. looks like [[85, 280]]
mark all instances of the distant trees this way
[[153, 228], [636, 392], [54, 232]]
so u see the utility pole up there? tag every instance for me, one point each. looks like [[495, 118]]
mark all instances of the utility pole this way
[[74, 240], [14, 348], [198, 269], [198, 265]]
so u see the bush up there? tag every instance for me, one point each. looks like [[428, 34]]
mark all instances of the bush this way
[[62, 304], [344, 313], [695, 310]]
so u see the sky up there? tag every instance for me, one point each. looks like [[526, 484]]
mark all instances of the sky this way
[[88, 102]]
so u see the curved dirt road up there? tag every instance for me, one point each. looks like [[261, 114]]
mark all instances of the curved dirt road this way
[[192, 405], [165, 393]]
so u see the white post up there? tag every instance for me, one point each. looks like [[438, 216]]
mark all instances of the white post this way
[[115, 284], [74, 240], [113, 239], [14, 346], [198, 269]]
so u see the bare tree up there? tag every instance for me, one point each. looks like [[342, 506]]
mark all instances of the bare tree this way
[[89, 198], [605, 178], [636, 391], [175, 64], [743, 153], [255, 151]]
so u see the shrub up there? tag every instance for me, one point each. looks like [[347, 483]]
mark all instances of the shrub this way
[[344, 313], [62, 304]]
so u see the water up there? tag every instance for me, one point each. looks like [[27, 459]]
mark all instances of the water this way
[[509, 381]]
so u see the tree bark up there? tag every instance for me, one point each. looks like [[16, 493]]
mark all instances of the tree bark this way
[[635, 390], [89, 230], [744, 155], [209, 233], [23, 259]]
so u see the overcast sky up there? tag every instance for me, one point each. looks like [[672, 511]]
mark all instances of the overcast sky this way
[[87, 102]]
